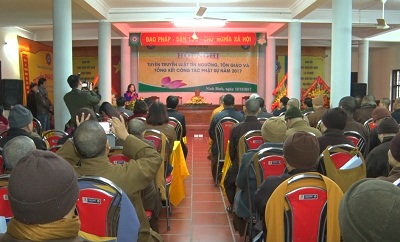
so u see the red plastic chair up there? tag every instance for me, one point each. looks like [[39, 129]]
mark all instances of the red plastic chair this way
[[118, 159], [357, 140], [51, 137], [177, 126], [271, 161], [253, 139], [54, 148], [222, 133], [369, 124]]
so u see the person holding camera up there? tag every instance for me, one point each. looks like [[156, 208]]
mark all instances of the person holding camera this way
[[78, 97]]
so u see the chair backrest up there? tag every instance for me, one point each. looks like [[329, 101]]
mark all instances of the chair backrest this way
[[298, 210], [369, 124], [253, 139], [4, 133], [118, 159], [222, 133], [51, 137], [397, 182], [105, 210], [37, 126], [282, 114], [262, 119], [344, 164], [177, 126], [143, 119], [357, 140], [271, 161], [319, 125], [306, 219], [308, 113], [5, 207], [54, 148]]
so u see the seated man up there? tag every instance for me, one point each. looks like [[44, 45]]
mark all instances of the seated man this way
[[301, 152], [20, 121], [121, 106], [88, 150], [393, 159], [151, 195], [295, 122], [43, 208], [370, 211], [172, 103], [319, 109], [273, 132], [15, 149]]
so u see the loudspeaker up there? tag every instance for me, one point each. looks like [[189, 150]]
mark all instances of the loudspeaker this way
[[358, 89], [11, 92]]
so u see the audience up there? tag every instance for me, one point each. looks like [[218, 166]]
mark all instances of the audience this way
[[385, 102], [107, 111], [370, 211], [228, 111], [151, 194], [20, 122], [15, 149], [263, 111], [308, 106], [172, 103], [88, 151], [121, 106], [43, 208], [377, 159], [378, 115], [139, 110], [273, 132], [319, 110], [332, 125], [251, 109], [219, 108], [396, 110], [364, 113], [393, 159], [295, 122], [349, 105], [282, 106]]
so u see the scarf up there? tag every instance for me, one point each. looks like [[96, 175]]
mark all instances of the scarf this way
[[63, 228]]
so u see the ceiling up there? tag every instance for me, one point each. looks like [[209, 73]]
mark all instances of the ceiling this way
[[269, 16]]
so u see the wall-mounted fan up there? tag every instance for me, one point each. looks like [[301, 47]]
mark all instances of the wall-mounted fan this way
[[381, 23]]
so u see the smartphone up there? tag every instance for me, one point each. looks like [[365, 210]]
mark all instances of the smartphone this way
[[106, 126]]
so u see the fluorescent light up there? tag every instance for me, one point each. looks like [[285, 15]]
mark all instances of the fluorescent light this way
[[199, 23]]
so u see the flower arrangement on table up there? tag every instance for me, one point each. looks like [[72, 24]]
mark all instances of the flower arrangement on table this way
[[197, 99], [131, 104]]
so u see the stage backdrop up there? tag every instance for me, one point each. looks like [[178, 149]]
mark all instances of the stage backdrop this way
[[36, 61], [206, 68]]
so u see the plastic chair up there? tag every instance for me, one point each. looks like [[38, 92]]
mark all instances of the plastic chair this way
[[37, 126], [262, 120], [397, 182], [160, 142], [143, 119], [54, 148], [105, 210], [4, 133], [2, 167], [222, 133], [253, 139], [357, 140], [51, 137], [177, 126], [306, 207], [5, 207], [271, 161], [344, 164], [370, 125], [308, 113]]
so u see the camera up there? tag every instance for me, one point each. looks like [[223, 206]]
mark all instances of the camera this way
[[87, 85]]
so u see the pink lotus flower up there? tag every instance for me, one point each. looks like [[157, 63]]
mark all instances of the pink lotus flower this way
[[166, 82]]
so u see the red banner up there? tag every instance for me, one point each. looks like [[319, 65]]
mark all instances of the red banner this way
[[171, 39]]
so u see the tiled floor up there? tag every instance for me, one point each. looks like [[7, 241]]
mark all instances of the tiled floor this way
[[201, 215]]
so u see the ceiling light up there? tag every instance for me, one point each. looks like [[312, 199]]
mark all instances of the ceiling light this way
[[199, 23]]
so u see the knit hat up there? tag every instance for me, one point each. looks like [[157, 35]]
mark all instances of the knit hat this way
[[43, 188], [274, 130], [388, 126], [318, 100], [19, 117], [293, 112], [394, 147], [380, 112], [334, 118], [301, 150], [370, 211]]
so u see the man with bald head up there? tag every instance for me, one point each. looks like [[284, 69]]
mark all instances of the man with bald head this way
[[87, 153], [15, 149], [251, 109]]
